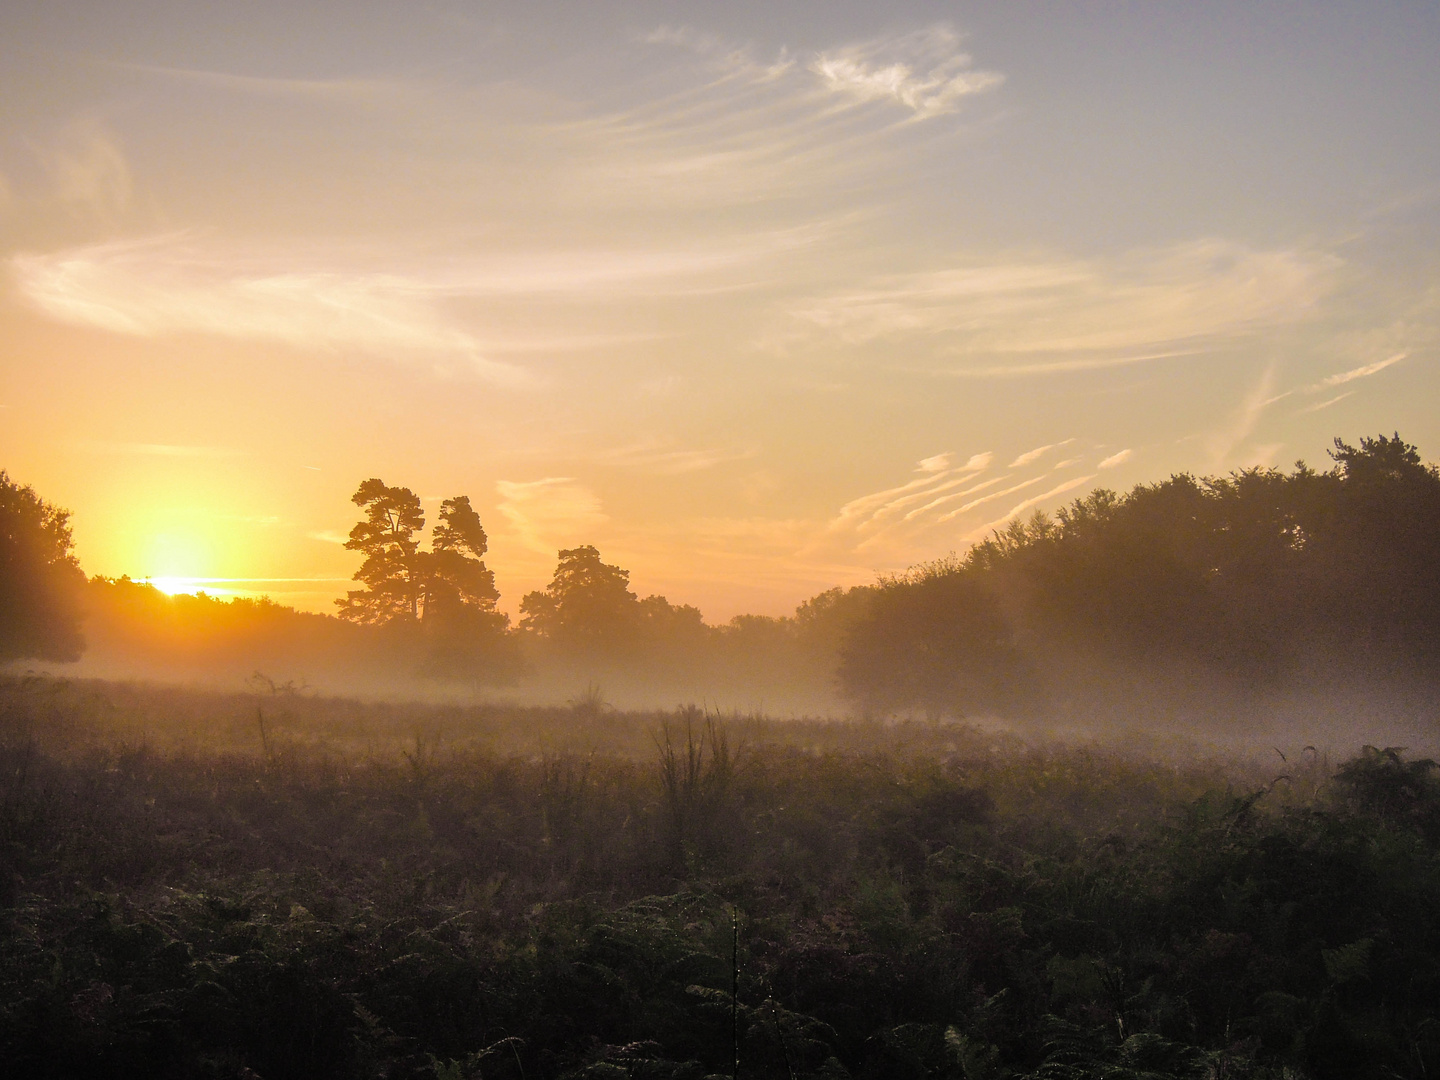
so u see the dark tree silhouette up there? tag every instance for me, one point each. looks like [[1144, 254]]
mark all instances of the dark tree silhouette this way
[[391, 572], [447, 593], [1192, 592], [1377, 558], [934, 639], [41, 584], [454, 576], [588, 603], [465, 634]]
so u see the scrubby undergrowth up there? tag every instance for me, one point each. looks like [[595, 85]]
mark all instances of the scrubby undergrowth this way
[[313, 891]]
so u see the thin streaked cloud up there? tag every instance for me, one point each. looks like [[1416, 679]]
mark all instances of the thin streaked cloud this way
[[991, 497], [1362, 372], [950, 497], [1242, 422], [744, 128], [946, 507], [1318, 406], [1027, 504], [1081, 314], [333, 90], [865, 509], [664, 460], [168, 286], [1118, 458], [1036, 454], [87, 168], [924, 72], [327, 300], [887, 512]]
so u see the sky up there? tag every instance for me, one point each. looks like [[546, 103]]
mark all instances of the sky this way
[[758, 299]]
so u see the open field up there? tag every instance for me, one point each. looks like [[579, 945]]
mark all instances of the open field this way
[[243, 885]]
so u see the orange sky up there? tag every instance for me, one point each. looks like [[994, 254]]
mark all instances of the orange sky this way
[[757, 302]]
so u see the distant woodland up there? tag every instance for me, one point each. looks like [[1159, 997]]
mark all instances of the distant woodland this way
[[1187, 599]]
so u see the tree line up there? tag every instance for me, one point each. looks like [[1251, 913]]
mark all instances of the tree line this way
[[587, 618], [1185, 594], [1259, 582]]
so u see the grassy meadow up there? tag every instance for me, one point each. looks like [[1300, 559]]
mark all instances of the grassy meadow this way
[[270, 884]]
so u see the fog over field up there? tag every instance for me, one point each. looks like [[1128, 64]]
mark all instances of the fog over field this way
[[673, 541]]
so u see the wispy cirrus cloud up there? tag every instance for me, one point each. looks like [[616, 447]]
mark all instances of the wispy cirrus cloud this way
[[170, 285], [1052, 315], [333, 90], [744, 127], [1026, 504], [1224, 439], [1319, 405], [341, 299], [1362, 372], [1036, 454], [966, 507], [936, 473], [947, 506], [662, 459], [924, 72], [943, 497]]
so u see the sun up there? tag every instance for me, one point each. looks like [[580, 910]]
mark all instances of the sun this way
[[180, 563], [176, 586]]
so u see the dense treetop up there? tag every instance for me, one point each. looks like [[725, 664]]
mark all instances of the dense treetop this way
[[40, 579], [1261, 576]]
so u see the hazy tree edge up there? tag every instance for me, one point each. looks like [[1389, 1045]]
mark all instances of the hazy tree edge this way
[[1184, 592]]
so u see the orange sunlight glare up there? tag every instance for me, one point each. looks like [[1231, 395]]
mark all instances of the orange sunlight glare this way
[[179, 563], [174, 586]]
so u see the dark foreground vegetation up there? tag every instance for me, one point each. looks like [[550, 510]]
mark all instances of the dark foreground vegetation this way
[[274, 886]]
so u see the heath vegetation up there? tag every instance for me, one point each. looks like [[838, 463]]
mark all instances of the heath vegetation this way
[[276, 885]]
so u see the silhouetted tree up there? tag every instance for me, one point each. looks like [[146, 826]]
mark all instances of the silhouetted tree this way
[[391, 572], [823, 623], [1189, 592], [588, 603], [1377, 555], [935, 639], [589, 613], [465, 634], [448, 591], [453, 573], [40, 581]]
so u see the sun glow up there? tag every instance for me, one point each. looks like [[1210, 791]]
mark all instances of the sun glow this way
[[181, 559], [175, 586]]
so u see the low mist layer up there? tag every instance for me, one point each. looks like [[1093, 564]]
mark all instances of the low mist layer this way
[[1262, 600]]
